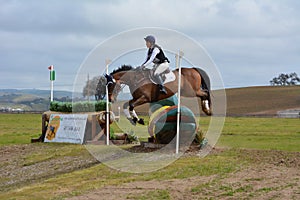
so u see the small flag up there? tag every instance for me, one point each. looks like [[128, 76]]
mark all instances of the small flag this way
[[50, 67]]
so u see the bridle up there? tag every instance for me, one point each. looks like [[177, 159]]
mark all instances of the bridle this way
[[111, 80]]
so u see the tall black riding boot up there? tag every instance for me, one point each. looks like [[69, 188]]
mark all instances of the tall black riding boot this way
[[160, 84]]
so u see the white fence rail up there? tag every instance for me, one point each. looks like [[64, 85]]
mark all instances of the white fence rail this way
[[292, 113]]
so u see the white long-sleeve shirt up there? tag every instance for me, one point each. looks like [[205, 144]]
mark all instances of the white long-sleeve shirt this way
[[153, 55]]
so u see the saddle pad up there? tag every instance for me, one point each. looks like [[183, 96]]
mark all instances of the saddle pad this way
[[169, 77]]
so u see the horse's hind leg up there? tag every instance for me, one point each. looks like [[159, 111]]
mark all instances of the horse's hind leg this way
[[205, 101], [202, 94]]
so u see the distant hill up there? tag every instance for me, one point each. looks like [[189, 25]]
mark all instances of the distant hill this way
[[36, 92], [253, 101], [29, 99], [263, 100]]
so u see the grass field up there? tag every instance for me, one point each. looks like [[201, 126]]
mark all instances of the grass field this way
[[19, 128], [66, 171], [238, 132], [261, 133]]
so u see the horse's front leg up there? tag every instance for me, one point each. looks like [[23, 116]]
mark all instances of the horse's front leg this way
[[131, 114], [128, 114], [135, 117], [134, 103]]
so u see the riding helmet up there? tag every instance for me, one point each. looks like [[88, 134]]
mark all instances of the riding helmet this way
[[150, 39]]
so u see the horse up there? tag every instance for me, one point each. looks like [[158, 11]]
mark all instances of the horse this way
[[194, 82]]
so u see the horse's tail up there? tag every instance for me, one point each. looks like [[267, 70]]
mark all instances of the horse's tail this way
[[205, 83]]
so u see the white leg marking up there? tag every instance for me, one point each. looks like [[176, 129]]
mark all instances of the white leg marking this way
[[133, 114], [127, 114]]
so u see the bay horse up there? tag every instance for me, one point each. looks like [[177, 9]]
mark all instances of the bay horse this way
[[194, 83]]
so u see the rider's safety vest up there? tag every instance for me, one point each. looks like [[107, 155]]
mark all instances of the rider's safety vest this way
[[159, 58]]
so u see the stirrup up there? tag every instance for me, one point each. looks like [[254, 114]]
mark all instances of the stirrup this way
[[162, 89]]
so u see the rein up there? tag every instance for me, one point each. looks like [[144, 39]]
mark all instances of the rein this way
[[139, 78], [143, 79]]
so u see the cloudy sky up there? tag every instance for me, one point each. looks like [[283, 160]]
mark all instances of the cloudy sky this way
[[250, 41]]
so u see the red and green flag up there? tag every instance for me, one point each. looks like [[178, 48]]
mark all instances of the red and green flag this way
[[52, 73]]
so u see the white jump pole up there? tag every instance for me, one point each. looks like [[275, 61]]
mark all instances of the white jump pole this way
[[52, 78], [51, 89], [107, 62], [178, 57]]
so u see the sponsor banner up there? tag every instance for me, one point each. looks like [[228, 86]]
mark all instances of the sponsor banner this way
[[68, 128]]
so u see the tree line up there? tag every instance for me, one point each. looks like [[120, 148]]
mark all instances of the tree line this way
[[95, 87], [286, 79]]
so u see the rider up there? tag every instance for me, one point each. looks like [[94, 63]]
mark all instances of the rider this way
[[156, 56]]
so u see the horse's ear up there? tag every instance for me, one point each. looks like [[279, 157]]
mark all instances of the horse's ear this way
[[106, 76]]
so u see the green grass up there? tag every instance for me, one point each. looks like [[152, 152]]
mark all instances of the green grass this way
[[258, 133], [261, 133], [238, 133], [222, 190], [52, 151], [19, 128], [98, 176], [124, 126], [151, 195]]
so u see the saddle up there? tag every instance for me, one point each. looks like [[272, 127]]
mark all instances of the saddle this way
[[148, 74]]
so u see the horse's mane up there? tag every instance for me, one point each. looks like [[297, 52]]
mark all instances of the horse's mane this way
[[122, 69]]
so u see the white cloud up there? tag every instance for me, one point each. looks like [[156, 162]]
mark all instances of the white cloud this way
[[235, 32]]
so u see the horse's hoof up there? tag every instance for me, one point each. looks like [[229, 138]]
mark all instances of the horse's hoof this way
[[135, 119], [208, 113], [132, 121], [141, 121]]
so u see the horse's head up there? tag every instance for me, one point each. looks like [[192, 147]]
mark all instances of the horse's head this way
[[114, 80], [113, 86]]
